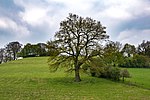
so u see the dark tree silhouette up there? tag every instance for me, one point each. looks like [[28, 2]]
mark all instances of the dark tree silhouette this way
[[112, 55], [144, 48], [52, 48], [129, 49], [2, 55], [13, 48], [77, 38]]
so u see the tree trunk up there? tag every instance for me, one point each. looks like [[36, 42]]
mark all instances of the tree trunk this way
[[14, 56], [77, 74], [123, 78]]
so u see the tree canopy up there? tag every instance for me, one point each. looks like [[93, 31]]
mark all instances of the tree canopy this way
[[32, 50], [78, 38], [144, 48], [129, 50], [112, 55], [13, 48]]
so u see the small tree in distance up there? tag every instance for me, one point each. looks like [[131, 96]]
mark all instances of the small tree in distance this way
[[13, 48], [125, 74], [76, 40], [2, 54]]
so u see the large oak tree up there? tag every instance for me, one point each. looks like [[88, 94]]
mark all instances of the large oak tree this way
[[76, 40]]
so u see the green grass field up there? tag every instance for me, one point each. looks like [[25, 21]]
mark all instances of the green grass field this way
[[140, 77], [30, 79]]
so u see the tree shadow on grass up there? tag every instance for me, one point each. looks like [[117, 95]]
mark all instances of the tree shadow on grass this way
[[85, 81], [67, 81]]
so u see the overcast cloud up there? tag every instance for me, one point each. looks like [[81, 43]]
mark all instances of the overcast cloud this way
[[37, 20]]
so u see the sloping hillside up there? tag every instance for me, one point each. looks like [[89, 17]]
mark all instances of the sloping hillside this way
[[30, 79]]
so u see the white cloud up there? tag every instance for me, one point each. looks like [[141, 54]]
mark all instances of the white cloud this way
[[3, 24], [33, 15], [15, 29], [116, 13], [45, 15], [128, 7], [36, 13], [134, 36]]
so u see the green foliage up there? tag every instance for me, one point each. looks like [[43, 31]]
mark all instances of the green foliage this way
[[137, 61], [52, 48], [128, 49], [79, 38], [144, 48], [112, 55], [62, 61], [141, 61], [114, 73], [29, 50], [12, 49], [42, 49], [2, 55], [32, 50], [125, 74], [97, 68], [107, 72]]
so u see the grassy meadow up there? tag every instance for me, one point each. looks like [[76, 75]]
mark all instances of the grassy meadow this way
[[140, 77], [30, 79]]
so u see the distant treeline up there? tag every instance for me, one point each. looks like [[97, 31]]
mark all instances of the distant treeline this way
[[13, 50], [128, 55], [112, 53]]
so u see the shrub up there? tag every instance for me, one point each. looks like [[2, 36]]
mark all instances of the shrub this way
[[125, 74], [107, 72], [100, 70], [115, 73]]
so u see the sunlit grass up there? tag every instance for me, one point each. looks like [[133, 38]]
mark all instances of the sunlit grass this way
[[140, 77], [30, 79]]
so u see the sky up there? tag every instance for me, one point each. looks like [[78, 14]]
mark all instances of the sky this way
[[34, 21]]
